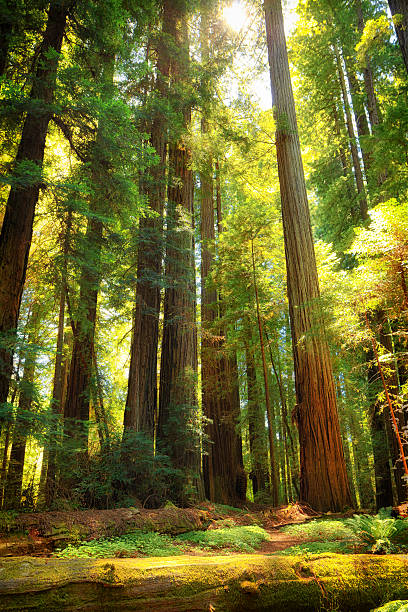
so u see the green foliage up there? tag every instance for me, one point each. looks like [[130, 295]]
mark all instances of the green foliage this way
[[130, 545], [379, 535], [324, 530], [122, 472], [243, 539]]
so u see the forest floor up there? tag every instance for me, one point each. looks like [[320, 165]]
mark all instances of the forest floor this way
[[40, 534]]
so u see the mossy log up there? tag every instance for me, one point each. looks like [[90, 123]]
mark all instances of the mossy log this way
[[87, 524], [221, 583]]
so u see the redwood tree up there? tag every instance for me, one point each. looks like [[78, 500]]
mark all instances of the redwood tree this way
[[399, 10], [323, 478]]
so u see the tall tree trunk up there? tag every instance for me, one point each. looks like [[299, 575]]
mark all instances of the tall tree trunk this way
[[76, 409], [176, 433], [269, 411], [362, 200], [399, 11], [49, 454], [12, 494], [323, 476], [360, 117], [256, 423], [141, 401], [16, 232]]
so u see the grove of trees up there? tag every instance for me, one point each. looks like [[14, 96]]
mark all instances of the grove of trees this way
[[203, 296]]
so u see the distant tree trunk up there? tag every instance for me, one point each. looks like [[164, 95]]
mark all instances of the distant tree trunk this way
[[141, 401], [269, 411], [383, 484], [176, 432], [393, 390], [323, 476], [12, 493], [399, 11], [256, 424], [16, 232], [352, 139], [6, 30], [76, 409], [360, 117], [48, 468]]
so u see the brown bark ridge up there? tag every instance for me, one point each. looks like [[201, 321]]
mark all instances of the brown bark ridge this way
[[399, 11], [323, 478], [177, 432], [240, 583], [17, 228], [141, 401]]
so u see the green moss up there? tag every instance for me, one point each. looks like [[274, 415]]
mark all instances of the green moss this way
[[321, 530], [394, 606], [313, 548]]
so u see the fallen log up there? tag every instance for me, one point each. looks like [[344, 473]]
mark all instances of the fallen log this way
[[238, 583], [88, 524]]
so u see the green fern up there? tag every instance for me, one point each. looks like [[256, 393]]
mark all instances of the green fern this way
[[377, 534]]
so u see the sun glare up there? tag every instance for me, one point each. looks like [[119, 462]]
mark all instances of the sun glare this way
[[235, 16]]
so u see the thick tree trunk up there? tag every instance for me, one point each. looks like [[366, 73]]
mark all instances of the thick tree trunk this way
[[399, 11], [16, 232], [141, 401], [323, 472], [362, 199], [240, 583], [177, 432]]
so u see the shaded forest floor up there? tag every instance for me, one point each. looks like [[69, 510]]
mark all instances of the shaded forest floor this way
[[40, 534]]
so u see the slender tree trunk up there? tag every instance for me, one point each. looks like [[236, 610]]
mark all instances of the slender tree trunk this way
[[352, 138], [141, 401], [323, 476], [271, 432], [256, 424], [76, 409], [14, 482], [360, 117], [399, 11], [176, 432], [49, 456], [16, 232]]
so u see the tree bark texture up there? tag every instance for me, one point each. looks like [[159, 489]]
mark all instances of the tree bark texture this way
[[17, 228], [141, 401], [323, 476], [399, 11], [177, 432], [241, 583]]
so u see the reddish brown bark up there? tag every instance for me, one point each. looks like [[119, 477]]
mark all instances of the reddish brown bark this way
[[16, 232], [324, 482], [177, 432]]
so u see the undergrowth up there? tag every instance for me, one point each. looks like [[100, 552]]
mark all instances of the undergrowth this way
[[243, 539], [148, 544], [321, 530]]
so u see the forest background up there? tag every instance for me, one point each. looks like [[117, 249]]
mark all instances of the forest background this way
[[147, 344]]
